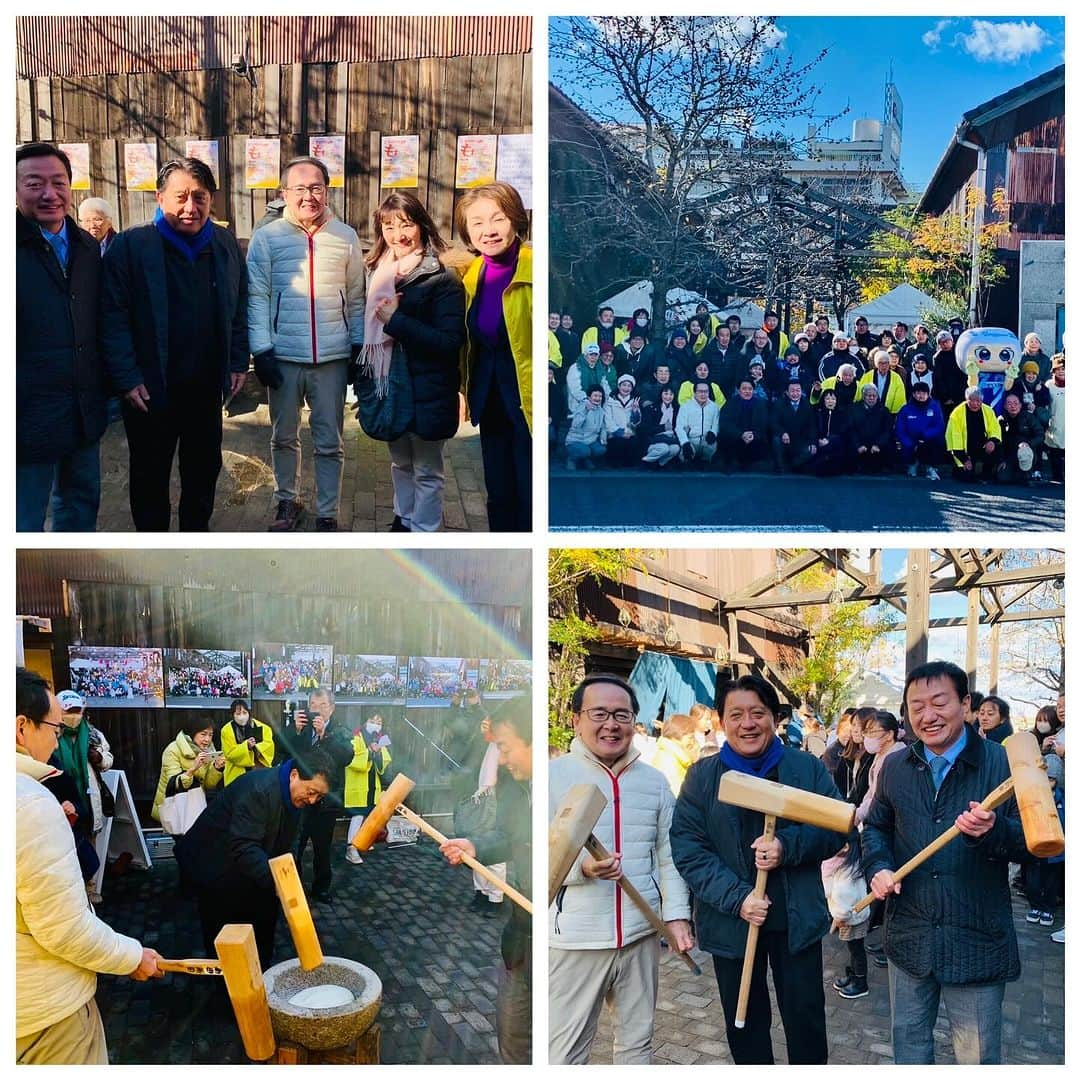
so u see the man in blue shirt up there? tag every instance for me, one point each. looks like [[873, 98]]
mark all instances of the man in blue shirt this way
[[948, 925]]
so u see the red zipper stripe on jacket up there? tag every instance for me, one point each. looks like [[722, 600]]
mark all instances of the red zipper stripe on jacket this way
[[617, 824], [311, 295]]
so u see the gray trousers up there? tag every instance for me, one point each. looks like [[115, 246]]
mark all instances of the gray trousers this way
[[416, 470], [513, 1014], [581, 980], [78, 1039], [322, 388], [974, 1019]]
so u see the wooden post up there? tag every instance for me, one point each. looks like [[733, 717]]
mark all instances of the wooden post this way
[[239, 956], [973, 613], [918, 607], [995, 656], [290, 891]]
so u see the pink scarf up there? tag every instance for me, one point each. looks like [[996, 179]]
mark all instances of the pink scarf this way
[[378, 346]]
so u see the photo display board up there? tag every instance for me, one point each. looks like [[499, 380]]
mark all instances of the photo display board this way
[[205, 678], [501, 679], [434, 680], [283, 671], [367, 679], [117, 677]]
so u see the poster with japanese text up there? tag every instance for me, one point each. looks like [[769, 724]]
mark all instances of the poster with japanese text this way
[[262, 163], [79, 155], [140, 166], [400, 161], [330, 150], [206, 151], [515, 165], [475, 160]]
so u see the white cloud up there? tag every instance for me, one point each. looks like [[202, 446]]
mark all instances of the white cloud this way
[[1005, 43], [932, 38]]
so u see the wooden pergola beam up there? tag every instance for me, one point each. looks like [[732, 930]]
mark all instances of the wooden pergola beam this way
[[1032, 615], [845, 566]]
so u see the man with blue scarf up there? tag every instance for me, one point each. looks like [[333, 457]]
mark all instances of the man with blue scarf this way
[[718, 850], [174, 335]]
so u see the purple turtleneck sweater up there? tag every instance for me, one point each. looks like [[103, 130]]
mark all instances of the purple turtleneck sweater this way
[[498, 271]]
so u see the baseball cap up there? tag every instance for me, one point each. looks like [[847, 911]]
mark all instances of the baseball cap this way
[[592, 348], [70, 701]]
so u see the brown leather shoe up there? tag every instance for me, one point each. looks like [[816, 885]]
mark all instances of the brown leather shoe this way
[[288, 514]]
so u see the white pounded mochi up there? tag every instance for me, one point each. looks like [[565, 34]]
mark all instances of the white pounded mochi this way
[[327, 996]]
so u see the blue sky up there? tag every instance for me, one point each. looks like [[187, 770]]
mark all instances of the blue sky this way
[[941, 67]]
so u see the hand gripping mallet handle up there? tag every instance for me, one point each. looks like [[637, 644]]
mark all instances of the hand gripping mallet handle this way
[[474, 864], [191, 967], [598, 851], [752, 931], [996, 797]]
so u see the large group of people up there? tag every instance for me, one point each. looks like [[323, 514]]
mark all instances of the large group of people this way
[[116, 679], [709, 395], [286, 676], [948, 928], [166, 318], [205, 682]]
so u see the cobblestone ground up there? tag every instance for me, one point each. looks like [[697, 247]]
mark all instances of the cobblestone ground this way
[[402, 912], [245, 491], [690, 1023]]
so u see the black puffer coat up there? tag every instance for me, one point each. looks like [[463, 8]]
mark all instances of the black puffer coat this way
[[60, 381], [953, 918], [708, 849], [429, 325]]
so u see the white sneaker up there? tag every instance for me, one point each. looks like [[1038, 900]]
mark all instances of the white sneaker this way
[[913, 470], [932, 473], [352, 855], [1058, 936]]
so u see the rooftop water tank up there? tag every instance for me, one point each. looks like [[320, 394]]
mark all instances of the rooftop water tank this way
[[866, 130]]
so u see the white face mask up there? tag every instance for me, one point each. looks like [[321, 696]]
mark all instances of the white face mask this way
[[374, 729], [242, 718], [643, 322], [871, 745]]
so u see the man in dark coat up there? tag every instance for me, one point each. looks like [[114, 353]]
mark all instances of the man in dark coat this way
[[510, 841], [950, 381], [743, 432], [60, 384], [794, 430], [725, 359], [718, 849], [224, 857], [174, 333], [871, 432], [315, 732], [949, 924]]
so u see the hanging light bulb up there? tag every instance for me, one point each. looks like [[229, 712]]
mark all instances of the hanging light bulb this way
[[671, 636], [625, 618]]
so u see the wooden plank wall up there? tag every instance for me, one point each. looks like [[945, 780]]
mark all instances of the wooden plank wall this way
[[437, 98], [175, 617]]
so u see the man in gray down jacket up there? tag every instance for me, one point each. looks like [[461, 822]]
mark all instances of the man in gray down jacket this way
[[948, 925], [601, 948], [305, 325]]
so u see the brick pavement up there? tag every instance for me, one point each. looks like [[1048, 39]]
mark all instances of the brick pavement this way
[[690, 1025], [245, 491], [403, 913]]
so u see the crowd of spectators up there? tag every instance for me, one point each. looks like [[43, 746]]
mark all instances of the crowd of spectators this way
[[708, 395], [280, 676], [206, 682]]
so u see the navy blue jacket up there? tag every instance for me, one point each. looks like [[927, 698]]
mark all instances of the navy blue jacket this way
[[953, 918], [429, 325], [719, 869], [60, 383], [135, 310]]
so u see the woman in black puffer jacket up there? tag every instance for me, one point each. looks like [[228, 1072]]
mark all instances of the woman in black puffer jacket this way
[[415, 312]]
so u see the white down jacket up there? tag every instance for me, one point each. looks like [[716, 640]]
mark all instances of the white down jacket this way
[[592, 914], [305, 291], [59, 942]]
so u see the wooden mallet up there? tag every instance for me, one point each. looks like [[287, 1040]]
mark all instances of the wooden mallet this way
[[392, 801], [776, 801], [1038, 814], [571, 829], [290, 892], [239, 956], [193, 966]]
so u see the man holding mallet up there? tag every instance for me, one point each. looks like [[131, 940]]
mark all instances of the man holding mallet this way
[[948, 925]]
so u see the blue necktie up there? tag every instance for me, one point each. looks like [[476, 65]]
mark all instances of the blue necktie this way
[[58, 241], [938, 768]]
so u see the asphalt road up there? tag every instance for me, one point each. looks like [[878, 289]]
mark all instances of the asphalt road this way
[[640, 499]]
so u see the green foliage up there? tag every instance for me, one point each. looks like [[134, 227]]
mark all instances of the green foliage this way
[[568, 632]]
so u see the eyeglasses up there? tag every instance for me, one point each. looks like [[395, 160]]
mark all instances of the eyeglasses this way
[[315, 190], [602, 716], [56, 727]]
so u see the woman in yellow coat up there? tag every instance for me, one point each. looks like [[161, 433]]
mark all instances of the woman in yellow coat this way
[[192, 758], [497, 376], [245, 744], [364, 777], [676, 750]]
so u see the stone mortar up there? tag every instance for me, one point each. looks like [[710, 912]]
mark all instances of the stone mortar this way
[[322, 1029]]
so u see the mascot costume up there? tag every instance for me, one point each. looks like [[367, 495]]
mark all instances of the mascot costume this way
[[990, 356]]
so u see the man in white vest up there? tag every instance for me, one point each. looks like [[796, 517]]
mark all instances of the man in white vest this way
[[601, 947]]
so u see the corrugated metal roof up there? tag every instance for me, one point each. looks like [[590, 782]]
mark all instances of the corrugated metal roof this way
[[109, 44]]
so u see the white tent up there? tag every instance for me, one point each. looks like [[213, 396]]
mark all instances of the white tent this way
[[905, 303], [752, 315], [873, 691], [681, 302]]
